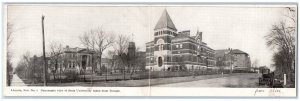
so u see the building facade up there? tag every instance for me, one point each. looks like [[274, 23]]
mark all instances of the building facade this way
[[76, 58], [234, 59], [172, 49]]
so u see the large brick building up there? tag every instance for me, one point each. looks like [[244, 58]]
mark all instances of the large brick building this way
[[177, 49]]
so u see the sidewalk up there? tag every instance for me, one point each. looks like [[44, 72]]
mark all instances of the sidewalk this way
[[16, 81]]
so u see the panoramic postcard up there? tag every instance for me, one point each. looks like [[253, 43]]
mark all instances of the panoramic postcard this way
[[149, 50]]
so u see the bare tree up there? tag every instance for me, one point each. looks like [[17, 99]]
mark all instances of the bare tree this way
[[98, 41], [28, 64], [121, 48], [56, 50], [112, 58], [9, 40], [30, 68], [255, 63], [26, 67], [282, 40]]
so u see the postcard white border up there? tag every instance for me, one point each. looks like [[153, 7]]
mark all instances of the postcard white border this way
[[147, 91]]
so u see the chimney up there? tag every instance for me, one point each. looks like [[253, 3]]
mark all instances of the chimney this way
[[67, 48], [200, 36]]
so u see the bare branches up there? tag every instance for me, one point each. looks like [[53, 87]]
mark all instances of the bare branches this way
[[291, 13], [97, 40], [282, 38], [121, 44], [55, 49], [9, 37]]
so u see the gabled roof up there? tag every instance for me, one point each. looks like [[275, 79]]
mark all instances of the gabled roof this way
[[221, 52], [105, 60], [237, 51], [181, 37], [77, 49], [165, 22]]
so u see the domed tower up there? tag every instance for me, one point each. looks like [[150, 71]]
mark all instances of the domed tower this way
[[163, 33]]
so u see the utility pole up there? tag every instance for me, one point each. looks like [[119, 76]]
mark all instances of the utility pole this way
[[45, 62], [34, 64], [93, 66]]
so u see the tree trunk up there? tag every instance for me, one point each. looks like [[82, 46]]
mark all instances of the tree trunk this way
[[93, 66], [132, 72], [54, 75], [60, 74], [84, 70], [124, 72], [100, 60]]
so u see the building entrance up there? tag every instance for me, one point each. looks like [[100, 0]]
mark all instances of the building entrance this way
[[160, 62]]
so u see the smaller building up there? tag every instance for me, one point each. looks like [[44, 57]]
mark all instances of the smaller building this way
[[133, 60], [234, 59], [79, 58]]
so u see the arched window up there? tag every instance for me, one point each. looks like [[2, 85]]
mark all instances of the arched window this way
[[160, 61], [160, 43]]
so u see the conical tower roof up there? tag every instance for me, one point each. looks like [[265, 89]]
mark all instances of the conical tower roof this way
[[165, 22]]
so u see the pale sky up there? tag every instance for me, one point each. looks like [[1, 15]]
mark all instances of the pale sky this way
[[239, 27]]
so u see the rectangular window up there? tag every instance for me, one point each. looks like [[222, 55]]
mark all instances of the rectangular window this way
[[168, 32], [180, 45]]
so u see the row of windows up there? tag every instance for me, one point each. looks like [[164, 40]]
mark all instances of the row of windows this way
[[179, 46], [161, 47], [164, 32], [70, 55], [211, 63], [183, 58]]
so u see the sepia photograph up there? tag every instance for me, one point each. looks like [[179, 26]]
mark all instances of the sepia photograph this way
[[151, 46]]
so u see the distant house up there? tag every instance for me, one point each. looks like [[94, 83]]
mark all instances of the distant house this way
[[79, 58], [106, 62], [82, 58], [232, 59], [134, 59]]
